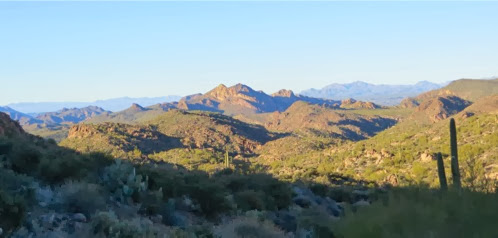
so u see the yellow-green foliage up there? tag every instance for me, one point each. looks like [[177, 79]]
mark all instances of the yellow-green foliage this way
[[193, 159], [414, 213]]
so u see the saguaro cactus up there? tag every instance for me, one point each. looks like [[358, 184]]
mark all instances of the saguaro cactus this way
[[227, 159], [455, 171], [440, 171]]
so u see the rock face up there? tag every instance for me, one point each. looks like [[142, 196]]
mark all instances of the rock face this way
[[353, 104], [427, 157]]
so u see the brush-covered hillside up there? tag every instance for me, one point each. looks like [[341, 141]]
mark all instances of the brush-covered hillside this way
[[172, 129], [404, 153]]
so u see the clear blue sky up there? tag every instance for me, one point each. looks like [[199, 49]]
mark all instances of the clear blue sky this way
[[83, 51]]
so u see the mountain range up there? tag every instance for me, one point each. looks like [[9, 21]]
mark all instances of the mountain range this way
[[293, 159], [382, 94], [114, 104]]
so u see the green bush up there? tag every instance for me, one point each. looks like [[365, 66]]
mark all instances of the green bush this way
[[82, 197], [250, 200], [424, 213], [25, 159], [12, 211]]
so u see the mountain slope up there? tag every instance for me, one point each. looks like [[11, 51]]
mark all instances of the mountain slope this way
[[203, 130], [468, 89], [119, 140], [322, 121], [439, 108], [8, 127], [211, 130], [380, 94]]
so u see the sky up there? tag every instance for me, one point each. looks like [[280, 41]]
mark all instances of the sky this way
[[84, 51]]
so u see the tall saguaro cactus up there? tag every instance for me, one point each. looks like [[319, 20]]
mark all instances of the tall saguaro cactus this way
[[227, 159], [440, 171], [455, 171]]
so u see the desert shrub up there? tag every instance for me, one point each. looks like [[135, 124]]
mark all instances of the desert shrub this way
[[210, 196], [151, 202], [316, 223], [424, 213], [59, 167], [107, 224], [5, 147], [82, 197], [12, 211], [250, 200], [25, 159], [277, 194], [248, 227]]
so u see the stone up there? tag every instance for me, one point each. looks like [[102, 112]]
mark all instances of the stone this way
[[79, 217], [426, 157], [157, 218], [361, 203], [302, 201]]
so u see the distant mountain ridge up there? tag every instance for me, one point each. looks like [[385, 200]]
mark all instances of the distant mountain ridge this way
[[382, 94], [114, 104], [22, 118], [241, 98], [71, 115]]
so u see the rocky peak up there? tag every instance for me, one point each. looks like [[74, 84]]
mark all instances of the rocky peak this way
[[284, 93], [136, 107], [238, 88], [348, 101]]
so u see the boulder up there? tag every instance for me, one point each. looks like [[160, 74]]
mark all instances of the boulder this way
[[79, 217]]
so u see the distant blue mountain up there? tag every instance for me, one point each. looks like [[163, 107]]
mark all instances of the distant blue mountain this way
[[382, 94], [115, 104], [22, 118]]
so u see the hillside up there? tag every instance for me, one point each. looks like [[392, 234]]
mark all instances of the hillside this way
[[380, 94], [211, 130], [468, 89], [321, 121], [439, 108], [201, 130], [8, 127], [403, 154], [118, 140]]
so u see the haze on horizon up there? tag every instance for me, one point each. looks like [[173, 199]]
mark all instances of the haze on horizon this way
[[86, 51]]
